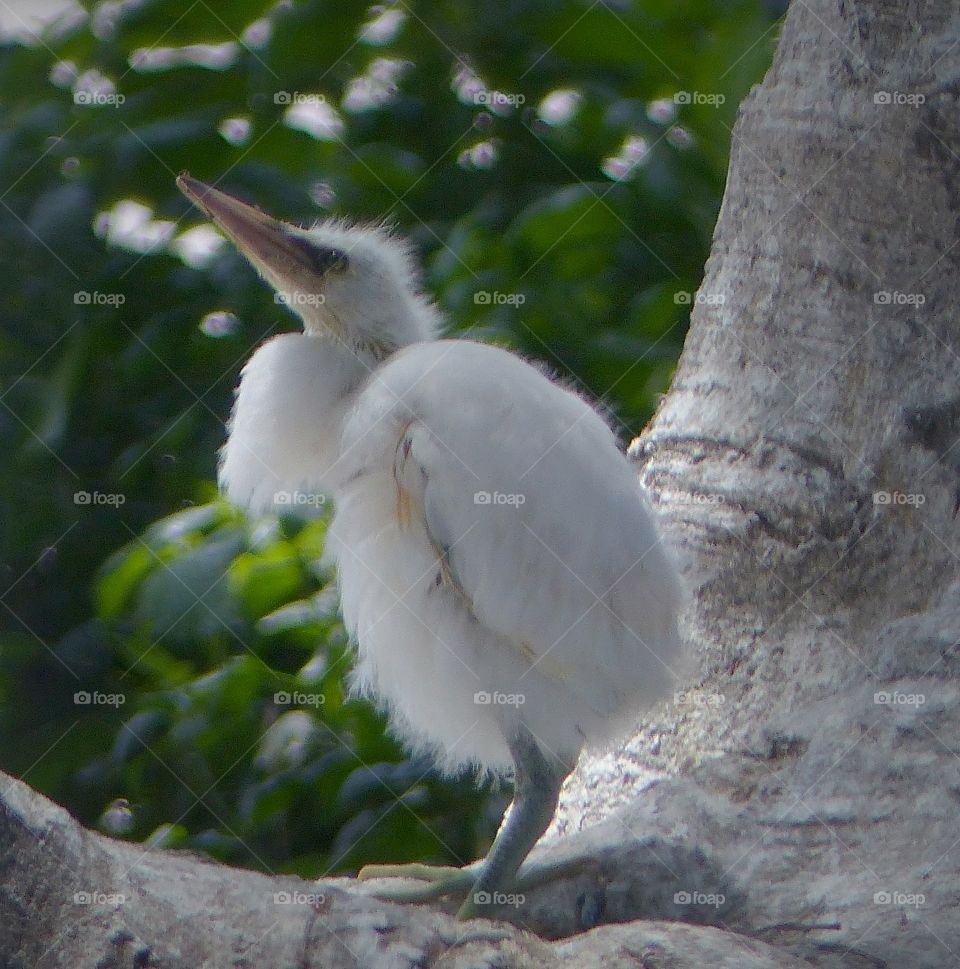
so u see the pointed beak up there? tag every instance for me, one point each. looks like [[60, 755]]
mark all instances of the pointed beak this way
[[265, 241]]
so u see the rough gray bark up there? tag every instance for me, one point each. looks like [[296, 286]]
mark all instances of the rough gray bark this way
[[790, 805], [73, 898], [819, 380]]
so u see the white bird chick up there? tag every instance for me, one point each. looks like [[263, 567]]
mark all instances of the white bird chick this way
[[498, 564]]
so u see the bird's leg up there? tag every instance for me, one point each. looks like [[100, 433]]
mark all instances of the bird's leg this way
[[537, 782], [538, 778]]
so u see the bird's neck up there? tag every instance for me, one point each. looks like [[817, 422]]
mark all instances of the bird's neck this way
[[370, 353], [374, 331]]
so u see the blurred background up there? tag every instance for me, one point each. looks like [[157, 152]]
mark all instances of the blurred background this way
[[175, 673]]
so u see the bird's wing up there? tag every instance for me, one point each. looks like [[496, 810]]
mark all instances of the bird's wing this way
[[535, 517]]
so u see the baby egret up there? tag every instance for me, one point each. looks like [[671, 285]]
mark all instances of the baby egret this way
[[498, 565]]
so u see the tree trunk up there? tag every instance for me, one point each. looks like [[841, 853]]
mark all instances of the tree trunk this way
[[805, 468], [806, 462]]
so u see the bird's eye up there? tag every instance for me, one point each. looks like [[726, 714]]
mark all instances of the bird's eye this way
[[321, 259], [336, 260]]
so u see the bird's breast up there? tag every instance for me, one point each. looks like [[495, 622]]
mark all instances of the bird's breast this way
[[283, 445]]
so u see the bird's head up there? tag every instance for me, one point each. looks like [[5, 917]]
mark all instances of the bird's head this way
[[350, 283]]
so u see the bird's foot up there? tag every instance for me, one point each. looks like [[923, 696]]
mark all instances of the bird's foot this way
[[427, 883], [497, 880], [420, 873], [424, 883]]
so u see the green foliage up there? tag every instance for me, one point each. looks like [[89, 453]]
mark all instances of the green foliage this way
[[565, 232], [240, 739]]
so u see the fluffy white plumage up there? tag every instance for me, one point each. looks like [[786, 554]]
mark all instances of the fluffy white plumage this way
[[555, 593], [498, 563]]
